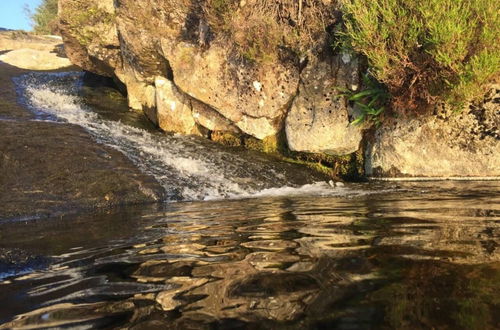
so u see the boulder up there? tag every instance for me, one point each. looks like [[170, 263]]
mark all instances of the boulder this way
[[174, 109], [446, 144], [319, 121], [90, 35]]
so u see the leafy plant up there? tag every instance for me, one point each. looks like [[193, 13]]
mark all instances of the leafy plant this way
[[371, 101], [427, 51]]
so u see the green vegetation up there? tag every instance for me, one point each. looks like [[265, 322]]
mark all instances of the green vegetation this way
[[44, 18], [427, 51], [371, 101], [347, 167]]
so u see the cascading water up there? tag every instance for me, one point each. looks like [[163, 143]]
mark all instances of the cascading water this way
[[187, 167]]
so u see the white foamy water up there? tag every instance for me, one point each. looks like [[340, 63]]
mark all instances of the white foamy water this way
[[187, 168]]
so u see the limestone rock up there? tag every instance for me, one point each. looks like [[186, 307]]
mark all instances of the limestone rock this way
[[178, 112], [444, 145], [318, 121], [230, 88], [170, 39], [209, 118]]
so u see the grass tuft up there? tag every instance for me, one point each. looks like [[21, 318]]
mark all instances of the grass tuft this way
[[371, 101]]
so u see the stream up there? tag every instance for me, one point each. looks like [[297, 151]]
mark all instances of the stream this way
[[243, 241]]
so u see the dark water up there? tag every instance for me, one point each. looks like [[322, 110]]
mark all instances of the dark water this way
[[419, 257]]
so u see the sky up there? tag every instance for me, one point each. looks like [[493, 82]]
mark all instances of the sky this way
[[12, 15]]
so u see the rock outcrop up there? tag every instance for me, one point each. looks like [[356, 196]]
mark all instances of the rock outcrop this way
[[446, 144], [259, 69], [48, 169], [32, 52], [318, 120], [188, 76]]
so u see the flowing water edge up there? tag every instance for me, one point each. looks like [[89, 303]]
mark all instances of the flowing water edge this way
[[238, 253], [188, 168]]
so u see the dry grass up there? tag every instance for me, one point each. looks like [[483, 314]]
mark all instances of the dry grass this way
[[260, 29]]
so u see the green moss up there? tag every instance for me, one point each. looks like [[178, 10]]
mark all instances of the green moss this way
[[316, 166], [347, 167], [268, 145], [226, 138]]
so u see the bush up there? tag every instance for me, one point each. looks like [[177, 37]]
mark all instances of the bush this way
[[426, 51], [44, 18]]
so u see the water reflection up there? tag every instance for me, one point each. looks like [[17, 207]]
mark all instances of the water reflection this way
[[425, 258]]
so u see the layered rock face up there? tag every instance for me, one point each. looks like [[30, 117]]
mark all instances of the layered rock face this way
[[256, 68]]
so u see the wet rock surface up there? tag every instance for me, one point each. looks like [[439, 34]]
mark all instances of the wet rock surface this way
[[49, 168]]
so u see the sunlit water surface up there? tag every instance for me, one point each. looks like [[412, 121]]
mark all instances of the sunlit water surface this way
[[423, 257], [373, 255]]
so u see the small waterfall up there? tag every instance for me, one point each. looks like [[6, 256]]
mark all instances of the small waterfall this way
[[189, 168]]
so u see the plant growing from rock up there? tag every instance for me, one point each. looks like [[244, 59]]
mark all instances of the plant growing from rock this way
[[371, 101], [427, 51]]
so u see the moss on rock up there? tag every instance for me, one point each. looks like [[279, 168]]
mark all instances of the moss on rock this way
[[348, 167], [226, 138]]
